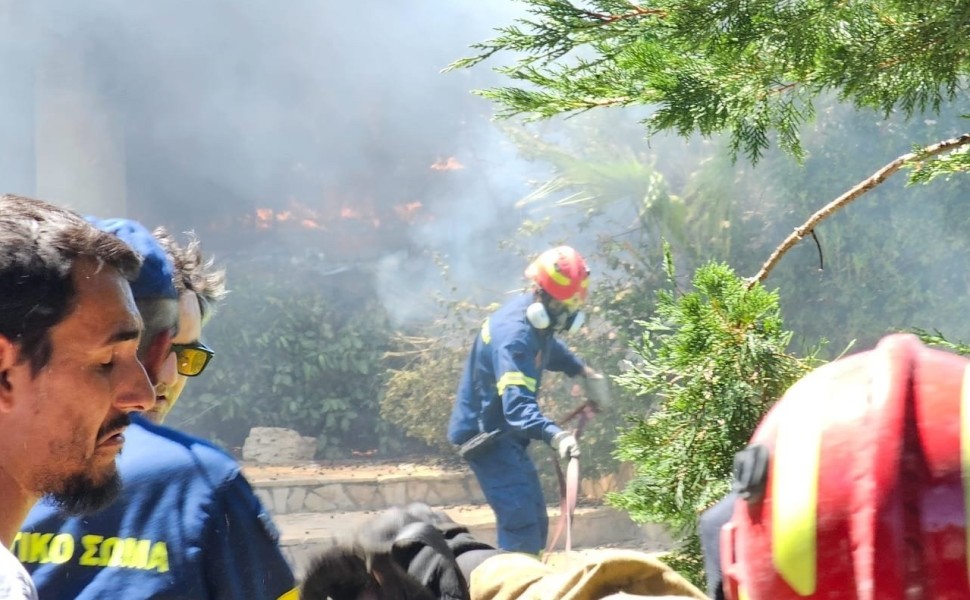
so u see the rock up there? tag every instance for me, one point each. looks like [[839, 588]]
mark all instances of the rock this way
[[277, 445]]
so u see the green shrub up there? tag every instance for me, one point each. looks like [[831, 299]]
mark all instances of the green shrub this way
[[422, 380], [295, 348]]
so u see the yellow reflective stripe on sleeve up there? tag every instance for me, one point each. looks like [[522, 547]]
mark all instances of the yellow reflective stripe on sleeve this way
[[516, 378], [742, 593], [293, 594], [794, 496], [486, 334], [965, 454]]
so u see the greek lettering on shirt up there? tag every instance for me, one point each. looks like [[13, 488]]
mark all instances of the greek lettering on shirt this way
[[91, 551]]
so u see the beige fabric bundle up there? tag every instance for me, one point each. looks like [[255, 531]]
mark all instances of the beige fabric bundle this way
[[589, 575]]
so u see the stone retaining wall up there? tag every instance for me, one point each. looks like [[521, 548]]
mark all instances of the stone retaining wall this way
[[288, 497]]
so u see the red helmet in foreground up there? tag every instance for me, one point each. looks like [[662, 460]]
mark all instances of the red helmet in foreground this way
[[562, 273], [855, 484]]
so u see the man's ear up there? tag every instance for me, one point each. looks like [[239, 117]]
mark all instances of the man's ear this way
[[155, 354], [9, 353]]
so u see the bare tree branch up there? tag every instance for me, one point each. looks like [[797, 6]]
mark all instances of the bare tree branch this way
[[852, 194]]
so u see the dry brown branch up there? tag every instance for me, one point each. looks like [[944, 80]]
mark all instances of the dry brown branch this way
[[781, 89], [858, 190], [619, 100], [635, 12]]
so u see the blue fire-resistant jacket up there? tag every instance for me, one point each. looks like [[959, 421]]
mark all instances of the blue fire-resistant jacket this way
[[186, 525], [503, 374]]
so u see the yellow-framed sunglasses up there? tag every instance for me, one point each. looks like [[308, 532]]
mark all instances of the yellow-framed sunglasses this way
[[192, 359]]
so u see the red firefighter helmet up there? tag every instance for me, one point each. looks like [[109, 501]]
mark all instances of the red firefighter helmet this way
[[561, 272], [855, 485]]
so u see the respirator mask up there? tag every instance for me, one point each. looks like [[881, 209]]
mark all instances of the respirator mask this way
[[559, 318]]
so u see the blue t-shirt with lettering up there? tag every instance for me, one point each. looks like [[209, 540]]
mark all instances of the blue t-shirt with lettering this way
[[186, 525]]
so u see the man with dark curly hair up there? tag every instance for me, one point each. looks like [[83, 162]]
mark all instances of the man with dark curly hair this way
[[69, 371]]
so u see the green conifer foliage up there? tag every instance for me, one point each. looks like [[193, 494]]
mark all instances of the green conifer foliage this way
[[753, 69], [717, 357]]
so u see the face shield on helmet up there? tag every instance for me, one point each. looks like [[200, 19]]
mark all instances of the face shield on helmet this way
[[854, 485], [562, 278]]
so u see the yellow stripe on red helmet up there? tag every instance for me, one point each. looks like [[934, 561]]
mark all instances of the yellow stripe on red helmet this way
[[549, 266], [794, 493]]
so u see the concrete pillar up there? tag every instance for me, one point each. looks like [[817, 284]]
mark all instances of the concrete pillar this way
[[16, 101], [79, 143]]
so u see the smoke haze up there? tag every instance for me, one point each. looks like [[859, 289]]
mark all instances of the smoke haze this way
[[272, 127], [326, 131]]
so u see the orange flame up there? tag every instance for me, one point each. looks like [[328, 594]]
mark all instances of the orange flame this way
[[267, 218], [408, 212], [447, 164], [264, 218], [357, 214], [343, 207]]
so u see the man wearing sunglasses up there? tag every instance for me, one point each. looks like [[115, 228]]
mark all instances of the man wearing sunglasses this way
[[187, 524], [188, 356]]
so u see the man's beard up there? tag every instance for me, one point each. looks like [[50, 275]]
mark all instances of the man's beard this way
[[85, 492], [80, 495]]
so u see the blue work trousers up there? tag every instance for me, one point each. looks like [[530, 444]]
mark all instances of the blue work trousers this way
[[509, 480]]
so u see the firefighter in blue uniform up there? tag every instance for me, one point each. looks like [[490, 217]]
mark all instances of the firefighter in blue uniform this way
[[496, 414], [187, 524]]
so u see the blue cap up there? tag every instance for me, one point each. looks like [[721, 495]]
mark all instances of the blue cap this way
[[155, 278]]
